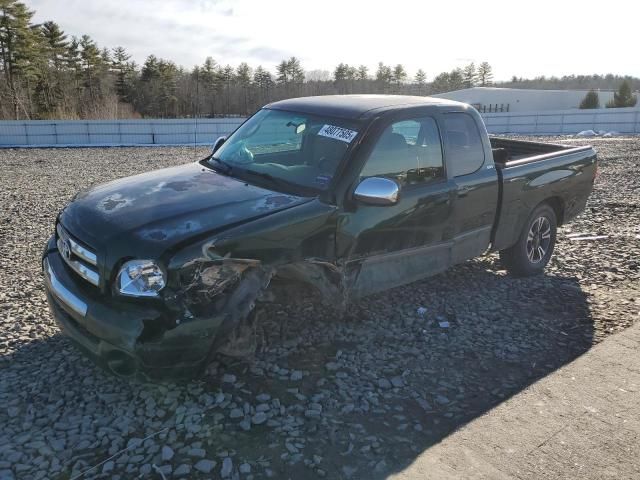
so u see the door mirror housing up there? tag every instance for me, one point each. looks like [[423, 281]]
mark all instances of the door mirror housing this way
[[218, 143], [377, 191]]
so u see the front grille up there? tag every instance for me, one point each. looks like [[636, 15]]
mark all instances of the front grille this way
[[80, 259]]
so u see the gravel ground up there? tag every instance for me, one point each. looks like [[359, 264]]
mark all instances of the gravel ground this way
[[355, 397]]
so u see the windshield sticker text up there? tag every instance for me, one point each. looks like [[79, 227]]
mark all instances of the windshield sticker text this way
[[337, 133]]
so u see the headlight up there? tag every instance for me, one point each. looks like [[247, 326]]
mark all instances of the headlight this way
[[140, 278]]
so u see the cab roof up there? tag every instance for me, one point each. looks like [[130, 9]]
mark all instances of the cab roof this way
[[357, 106]]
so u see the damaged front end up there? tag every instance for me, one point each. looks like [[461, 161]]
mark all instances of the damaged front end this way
[[165, 337], [218, 294], [208, 306]]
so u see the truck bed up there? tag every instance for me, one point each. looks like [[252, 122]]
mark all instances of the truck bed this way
[[532, 172], [508, 153]]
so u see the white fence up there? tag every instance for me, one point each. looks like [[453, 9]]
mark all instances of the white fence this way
[[563, 122], [62, 133]]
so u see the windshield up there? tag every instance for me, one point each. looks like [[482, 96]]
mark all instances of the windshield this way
[[291, 148]]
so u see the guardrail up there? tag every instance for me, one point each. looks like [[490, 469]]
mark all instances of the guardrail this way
[[204, 131], [563, 122], [105, 133]]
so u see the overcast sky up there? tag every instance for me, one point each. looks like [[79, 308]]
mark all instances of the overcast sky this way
[[526, 39]]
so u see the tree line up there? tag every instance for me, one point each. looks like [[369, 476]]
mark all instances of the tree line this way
[[46, 74], [622, 98]]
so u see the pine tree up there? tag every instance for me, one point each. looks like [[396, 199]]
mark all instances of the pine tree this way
[[296, 72], [363, 73], [209, 78], [399, 74], [18, 49], [243, 74], [56, 43], [469, 75], [91, 61], [283, 72], [590, 100], [121, 67], [456, 79], [384, 75], [262, 78], [421, 78], [623, 97], [485, 75], [243, 77]]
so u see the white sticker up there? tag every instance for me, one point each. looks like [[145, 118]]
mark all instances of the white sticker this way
[[338, 133]]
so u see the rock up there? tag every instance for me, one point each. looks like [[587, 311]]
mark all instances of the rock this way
[[245, 468], [228, 378], [397, 382], [134, 443], [349, 471], [164, 470], [183, 469], [441, 399], [263, 397], [296, 375], [227, 467], [245, 425], [384, 383], [332, 366], [196, 452], [167, 453], [236, 413], [108, 466], [380, 467], [259, 418], [205, 465]]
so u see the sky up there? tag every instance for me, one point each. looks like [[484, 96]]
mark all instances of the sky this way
[[526, 39]]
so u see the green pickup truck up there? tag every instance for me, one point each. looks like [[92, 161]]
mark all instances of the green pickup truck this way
[[342, 195]]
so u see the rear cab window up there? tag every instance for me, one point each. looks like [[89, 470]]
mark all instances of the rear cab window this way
[[463, 144], [408, 151]]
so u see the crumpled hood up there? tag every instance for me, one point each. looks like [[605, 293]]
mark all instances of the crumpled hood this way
[[156, 210]]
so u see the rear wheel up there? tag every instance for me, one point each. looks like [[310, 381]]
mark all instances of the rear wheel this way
[[535, 246]]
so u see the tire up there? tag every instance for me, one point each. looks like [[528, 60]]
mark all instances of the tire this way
[[533, 250]]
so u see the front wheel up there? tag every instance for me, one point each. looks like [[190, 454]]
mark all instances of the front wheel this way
[[535, 246]]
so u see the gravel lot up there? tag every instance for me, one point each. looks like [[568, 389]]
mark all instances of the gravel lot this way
[[355, 397]]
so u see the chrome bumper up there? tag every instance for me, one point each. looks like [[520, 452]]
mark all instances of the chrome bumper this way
[[61, 292]]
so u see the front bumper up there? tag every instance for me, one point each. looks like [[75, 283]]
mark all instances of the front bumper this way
[[124, 337]]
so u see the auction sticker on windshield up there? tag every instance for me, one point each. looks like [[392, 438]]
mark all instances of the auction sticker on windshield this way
[[337, 133]]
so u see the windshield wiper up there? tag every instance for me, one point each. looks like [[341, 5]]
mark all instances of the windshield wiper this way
[[266, 176], [224, 166], [279, 182]]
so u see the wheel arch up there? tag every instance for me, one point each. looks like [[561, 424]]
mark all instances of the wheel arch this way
[[558, 206]]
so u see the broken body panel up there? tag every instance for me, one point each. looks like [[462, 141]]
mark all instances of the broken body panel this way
[[221, 241]]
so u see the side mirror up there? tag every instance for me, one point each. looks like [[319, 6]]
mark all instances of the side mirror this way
[[377, 191], [218, 143]]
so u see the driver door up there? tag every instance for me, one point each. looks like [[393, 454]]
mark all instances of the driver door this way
[[384, 246]]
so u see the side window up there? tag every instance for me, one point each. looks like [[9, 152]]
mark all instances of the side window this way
[[408, 151], [465, 152]]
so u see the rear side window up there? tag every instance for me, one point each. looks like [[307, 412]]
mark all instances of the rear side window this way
[[463, 143], [408, 151]]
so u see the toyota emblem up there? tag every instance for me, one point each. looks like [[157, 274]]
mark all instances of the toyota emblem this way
[[66, 249]]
